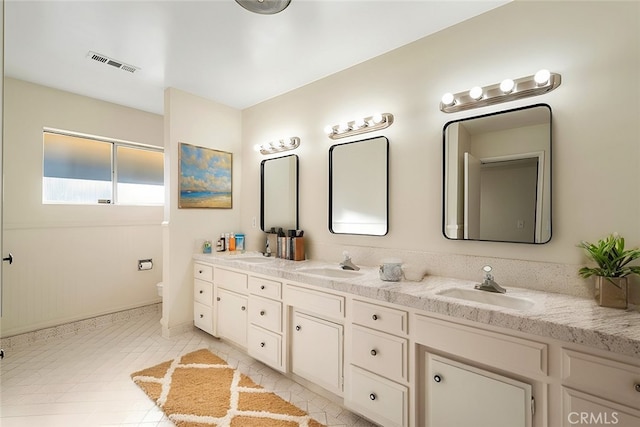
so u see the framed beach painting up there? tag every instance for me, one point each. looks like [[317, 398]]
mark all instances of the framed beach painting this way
[[205, 178]]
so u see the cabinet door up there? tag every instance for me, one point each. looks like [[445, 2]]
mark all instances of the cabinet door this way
[[316, 351], [231, 316], [489, 400]]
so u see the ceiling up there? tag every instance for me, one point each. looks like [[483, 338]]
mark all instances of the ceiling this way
[[211, 48]]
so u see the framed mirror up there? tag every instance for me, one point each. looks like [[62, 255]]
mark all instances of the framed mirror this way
[[279, 193], [497, 176], [359, 187]]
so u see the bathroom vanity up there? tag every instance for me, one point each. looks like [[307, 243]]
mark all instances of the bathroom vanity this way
[[413, 353]]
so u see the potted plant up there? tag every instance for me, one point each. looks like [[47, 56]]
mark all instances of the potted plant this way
[[612, 271]]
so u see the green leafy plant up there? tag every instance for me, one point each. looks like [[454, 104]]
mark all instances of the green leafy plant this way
[[611, 256]]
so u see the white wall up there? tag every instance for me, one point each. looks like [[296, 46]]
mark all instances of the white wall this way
[[196, 121], [71, 262], [593, 45]]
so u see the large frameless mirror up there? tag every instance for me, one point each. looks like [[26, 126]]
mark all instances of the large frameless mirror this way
[[279, 193], [497, 176], [359, 187]]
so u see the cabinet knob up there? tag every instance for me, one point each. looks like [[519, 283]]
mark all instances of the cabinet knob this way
[[262, 287], [243, 308], [374, 352], [200, 271], [201, 316], [262, 312], [374, 317], [373, 396], [218, 299], [298, 327], [262, 344], [637, 387], [437, 378], [201, 291]]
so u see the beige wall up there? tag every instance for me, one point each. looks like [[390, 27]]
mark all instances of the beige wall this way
[[596, 149], [71, 262], [196, 121]]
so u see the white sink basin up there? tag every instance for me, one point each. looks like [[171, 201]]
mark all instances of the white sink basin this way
[[501, 300], [330, 272]]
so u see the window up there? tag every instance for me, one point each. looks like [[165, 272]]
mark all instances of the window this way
[[84, 170]]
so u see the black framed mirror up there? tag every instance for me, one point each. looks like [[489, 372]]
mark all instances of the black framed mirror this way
[[359, 187], [279, 193], [497, 176]]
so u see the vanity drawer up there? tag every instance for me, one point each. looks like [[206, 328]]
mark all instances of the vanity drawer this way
[[381, 400], [603, 377], [491, 348], [203, 317], [203, 292], [266, 313], [203, 272], [316, 301], [231, 280], [265, 346], [265, 288], [379, 352], [381, 318]]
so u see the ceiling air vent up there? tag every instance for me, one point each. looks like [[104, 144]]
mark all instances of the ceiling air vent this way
[[110, 61]]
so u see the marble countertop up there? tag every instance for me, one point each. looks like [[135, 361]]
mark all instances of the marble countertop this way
[[562, 317]]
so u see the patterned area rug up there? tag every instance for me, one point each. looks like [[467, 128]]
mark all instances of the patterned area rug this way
[[200, 389]]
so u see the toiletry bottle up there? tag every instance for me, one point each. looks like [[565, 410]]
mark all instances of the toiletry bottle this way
[[226, 241], [221, 247], [232, 242]]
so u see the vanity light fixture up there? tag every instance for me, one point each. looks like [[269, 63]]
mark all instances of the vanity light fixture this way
[[285, 144], [358, 126], [508, 90]]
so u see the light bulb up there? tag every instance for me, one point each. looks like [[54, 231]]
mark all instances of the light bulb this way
[[448, 99], [377, 118], [358, 123], [476, 93], [343, 127], [507, 86], [257, 147], [542, 77], [328, 129]]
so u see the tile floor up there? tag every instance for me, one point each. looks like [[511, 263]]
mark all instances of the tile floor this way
[[82, 380]]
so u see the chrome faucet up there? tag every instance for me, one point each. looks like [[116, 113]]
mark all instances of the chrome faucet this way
[[488, 283], [346, 264]]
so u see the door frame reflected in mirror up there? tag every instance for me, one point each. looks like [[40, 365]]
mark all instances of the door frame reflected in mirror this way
[[500, 138]]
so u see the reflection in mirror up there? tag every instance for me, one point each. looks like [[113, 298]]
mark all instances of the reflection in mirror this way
[[279, 193], [497, 176], [359, 187]]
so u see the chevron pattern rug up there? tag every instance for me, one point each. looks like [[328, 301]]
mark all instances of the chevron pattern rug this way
[[199, 389]]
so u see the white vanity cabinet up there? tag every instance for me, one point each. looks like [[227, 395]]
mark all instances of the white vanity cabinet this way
[[203, 297], [599, 391], [316, 334], [377, 373], [266, 341], [231, 305]]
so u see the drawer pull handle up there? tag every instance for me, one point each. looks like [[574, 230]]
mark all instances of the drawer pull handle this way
[[298, 328], [262, 344], [373, 396], [243, 308], [437, 378], [262, 313], [374, 317], [637, 387], [262, 287], [374, 352]]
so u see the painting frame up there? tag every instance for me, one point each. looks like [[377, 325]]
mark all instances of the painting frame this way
[[205, 178]]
